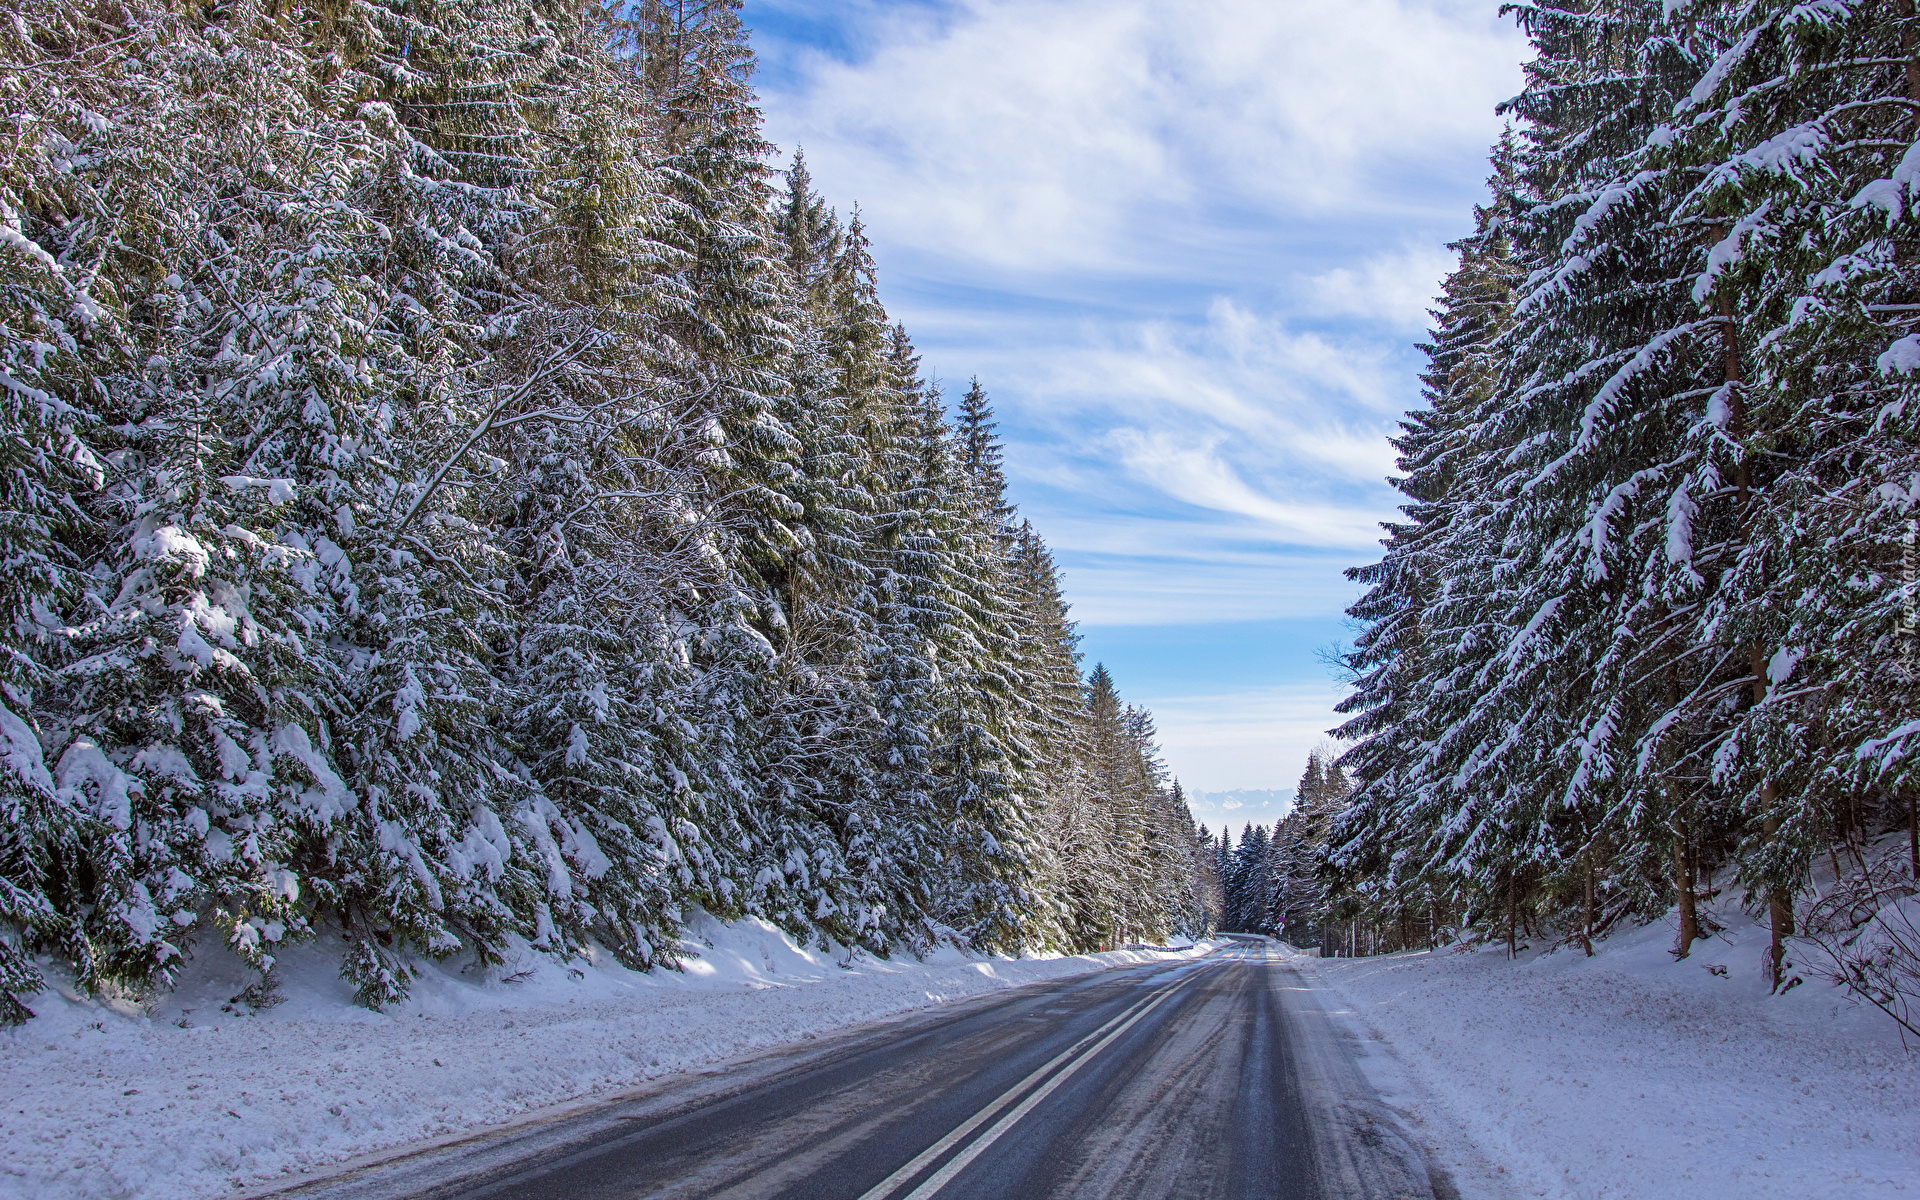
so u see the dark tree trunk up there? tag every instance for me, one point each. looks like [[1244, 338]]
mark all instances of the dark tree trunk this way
[[1586, 932], [1513, 912], [1913, 833], [1683, 888], [1906, 10]]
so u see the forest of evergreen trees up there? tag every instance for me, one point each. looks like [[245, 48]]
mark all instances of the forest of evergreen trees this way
[[1647, 632], [456, 490], [1271, 881]]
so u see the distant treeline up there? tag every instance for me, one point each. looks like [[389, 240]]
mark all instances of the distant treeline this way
[[1270, 881]]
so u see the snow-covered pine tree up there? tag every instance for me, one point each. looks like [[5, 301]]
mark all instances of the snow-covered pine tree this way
[[901, 845], [1802, 139], [457, 503], [1117, 791], [721, 308], [1418, 581], [224, 235], [1299, 908], [980, 744], [610, 552], [1569, 696], [1067, 828], [1649, 615], [56, 334], [458, 847], [1213, 895]]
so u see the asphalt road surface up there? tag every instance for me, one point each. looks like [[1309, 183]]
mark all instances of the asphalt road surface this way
[[1219, 1077]]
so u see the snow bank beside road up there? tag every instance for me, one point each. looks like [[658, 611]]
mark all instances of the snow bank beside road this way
[[1630, 1075], [189, 1100]]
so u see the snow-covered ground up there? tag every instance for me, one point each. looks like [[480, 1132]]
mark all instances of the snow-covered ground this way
[[188, 1099], [1631, 1075]]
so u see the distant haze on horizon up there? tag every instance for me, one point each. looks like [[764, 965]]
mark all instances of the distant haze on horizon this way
[[1240, 807]]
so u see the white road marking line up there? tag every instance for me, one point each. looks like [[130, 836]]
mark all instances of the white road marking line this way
[[886, 1186], [958, 1162], [1111, 1030]]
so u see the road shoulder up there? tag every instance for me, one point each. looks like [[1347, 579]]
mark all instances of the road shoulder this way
[[1363, 1149]]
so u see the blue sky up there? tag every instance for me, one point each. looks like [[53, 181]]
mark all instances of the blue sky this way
[[1187, 247]]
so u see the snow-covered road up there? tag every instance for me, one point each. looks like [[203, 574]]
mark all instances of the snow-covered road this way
[[1627, 1075], [1211, 1079]]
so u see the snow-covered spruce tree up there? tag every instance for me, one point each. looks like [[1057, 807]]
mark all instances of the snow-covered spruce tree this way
[[55, 334], [222, 233], [1802, 137], [457, 501], [1571, 698], [1650, 616], [896, 843], [1149, 877], [819, 787], [1120, 823], [1223, 870], [1298, 910], [1067, 834], [453, 843], [1254, 871], [1613, 506], [1188, 889], [1387, 825], [721, 304], [610, 548], [1211, 892], [1234, 873], [853, 705], [978, 750], [1173, 898]]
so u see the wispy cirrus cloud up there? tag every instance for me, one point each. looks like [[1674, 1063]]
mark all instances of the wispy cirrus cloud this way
[[1049, 136], [1197, 472], [1219, 740], [1394, 288], [1187, 246]]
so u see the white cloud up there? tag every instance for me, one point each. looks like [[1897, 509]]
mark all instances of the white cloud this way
[[1194, 472], [1202, 589], [1032, 136], [1251, 739], [1186, 245], [1395, 288], [1281, 435]]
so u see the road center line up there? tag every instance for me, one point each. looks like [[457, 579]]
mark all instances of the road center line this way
[[886, 1186], [958, 1162], [1112, 1029]]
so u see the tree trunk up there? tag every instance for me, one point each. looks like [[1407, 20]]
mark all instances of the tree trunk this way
[[1906, 10], [1513, 912], [1683, 888], [1913, 833], [1780, 914], [1586, 931], [1779, 899]]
